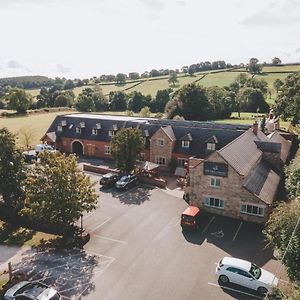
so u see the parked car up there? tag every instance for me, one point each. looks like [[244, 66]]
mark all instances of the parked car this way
[[42, 147], [31, 291], [126, 182], [190, 218], [109, 179], [246, 274], [30, 156]]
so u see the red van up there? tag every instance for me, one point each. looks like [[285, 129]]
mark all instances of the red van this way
[[190, 218]]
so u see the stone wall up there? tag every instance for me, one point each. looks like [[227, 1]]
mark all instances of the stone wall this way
[[231, 190]]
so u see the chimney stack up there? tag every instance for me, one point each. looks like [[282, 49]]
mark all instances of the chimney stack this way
[[255, 127]]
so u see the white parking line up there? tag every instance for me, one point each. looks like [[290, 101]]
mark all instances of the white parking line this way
[[206, 227], [109, 239], [97, 227], [234, 290], [237, 231]]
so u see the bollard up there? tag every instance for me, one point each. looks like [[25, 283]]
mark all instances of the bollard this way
[[10, 271]]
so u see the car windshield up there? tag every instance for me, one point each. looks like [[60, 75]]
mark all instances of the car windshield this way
[[33, 289], [124, 179], [187, 218], [255, 271]]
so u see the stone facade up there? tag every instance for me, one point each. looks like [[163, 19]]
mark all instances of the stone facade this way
[[161, 148], [231, 191]]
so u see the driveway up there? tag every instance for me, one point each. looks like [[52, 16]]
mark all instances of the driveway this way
[[138, 251]]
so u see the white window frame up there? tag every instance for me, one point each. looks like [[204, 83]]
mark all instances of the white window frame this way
[[161, 142], [107, 150], [211, 146], [161, 160], [59, 128], [209, 199], [94, 131], [111, 133], [215, 182], [78, 130], [260, 209], [181, 160], [185, 144]]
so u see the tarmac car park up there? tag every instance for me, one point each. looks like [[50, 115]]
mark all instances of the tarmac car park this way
[[138, 250]]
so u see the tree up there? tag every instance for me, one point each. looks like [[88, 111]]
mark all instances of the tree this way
[[85, 103], [100, 101], [145, 112], [277, 84], [190, 102], [19, 100], [251, 100], [27, 135], [253, 66], [11, 171], [117, 101], [276, 61], [64, 99], [57, 191], [134, 75], [154, 73], [69, 84], [279, 230], [287, 103], [126, 147], [292, 182], [137, 101], [120, 78], [173, 78], [260, 84], [263, 124], [161, 99]]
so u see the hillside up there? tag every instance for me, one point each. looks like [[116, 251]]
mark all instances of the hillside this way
[[150, 86], [27, 82]]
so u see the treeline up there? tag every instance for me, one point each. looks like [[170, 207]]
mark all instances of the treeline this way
[[26, 82]]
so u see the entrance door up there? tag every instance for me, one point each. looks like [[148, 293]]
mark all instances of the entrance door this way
[[77, 148]]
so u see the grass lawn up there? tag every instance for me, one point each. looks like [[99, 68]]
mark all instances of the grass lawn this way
[[219, 79], [33, 92], [293, 68], [21, 236], [39, 123]]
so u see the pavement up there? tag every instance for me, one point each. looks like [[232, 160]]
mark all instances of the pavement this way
[[138, 251]]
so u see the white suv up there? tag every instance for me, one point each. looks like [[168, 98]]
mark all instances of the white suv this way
[[246, 274]]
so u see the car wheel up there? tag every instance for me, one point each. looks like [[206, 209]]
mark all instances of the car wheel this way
[[262, 291], [224, 279]]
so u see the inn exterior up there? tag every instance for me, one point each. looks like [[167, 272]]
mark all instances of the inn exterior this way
[[232, 170]]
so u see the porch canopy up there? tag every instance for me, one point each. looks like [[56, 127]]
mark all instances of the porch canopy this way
[[148, 167]]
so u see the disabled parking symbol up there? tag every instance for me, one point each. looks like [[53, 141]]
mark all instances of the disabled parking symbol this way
[[218, 234]]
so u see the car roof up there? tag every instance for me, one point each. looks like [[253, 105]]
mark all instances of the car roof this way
[[237, 263], [191, 211]]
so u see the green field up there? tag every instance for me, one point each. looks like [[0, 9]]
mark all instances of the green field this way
[[219, 79], [292, 68], [38, 123]]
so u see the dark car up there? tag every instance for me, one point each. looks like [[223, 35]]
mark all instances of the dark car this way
[[126, 182], [31, 290], [109, 179]]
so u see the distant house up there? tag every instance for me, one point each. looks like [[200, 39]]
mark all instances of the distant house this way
[[241, 179], [164, 140]]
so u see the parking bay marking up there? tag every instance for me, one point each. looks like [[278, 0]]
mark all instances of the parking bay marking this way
[[206, 227], [234, 290], [97, 227], [109, 239], [237, 231]]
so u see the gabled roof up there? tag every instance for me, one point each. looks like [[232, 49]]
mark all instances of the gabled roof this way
[[242, 153], [263, 182], [169, 132], [268, 146], [187, 137], [212, 139], [285, 144], [51, 136]]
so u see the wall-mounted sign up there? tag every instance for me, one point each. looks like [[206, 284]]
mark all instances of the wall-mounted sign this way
[[215, 169]]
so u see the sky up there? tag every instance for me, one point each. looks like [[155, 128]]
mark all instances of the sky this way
[[85, 38]]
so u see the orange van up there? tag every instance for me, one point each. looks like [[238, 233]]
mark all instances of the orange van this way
[[190, 218]]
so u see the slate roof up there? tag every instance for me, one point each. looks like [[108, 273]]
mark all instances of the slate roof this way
[[199, 131], [285, 144], [268, 146], [242, 153], [263, 182]]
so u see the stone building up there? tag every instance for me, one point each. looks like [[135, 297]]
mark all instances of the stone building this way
[[241, 179]]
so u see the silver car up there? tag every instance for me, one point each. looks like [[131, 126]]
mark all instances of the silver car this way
[[31, 291]]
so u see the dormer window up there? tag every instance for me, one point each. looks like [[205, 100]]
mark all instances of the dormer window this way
[[146, 132], [98, 126], [94, 131], [82, 125], [63, 123], [111, 133], [59, 128], [185, 144], [78, 130], [211, 146]]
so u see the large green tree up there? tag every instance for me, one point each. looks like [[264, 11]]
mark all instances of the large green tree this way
[[173, 78], [190, 102], [117, 101], [287, 103], [57, 191], [126, 147], [283, 235], [159, 102], [253, 66], [12, 171], [19, 100], [137, 101]]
